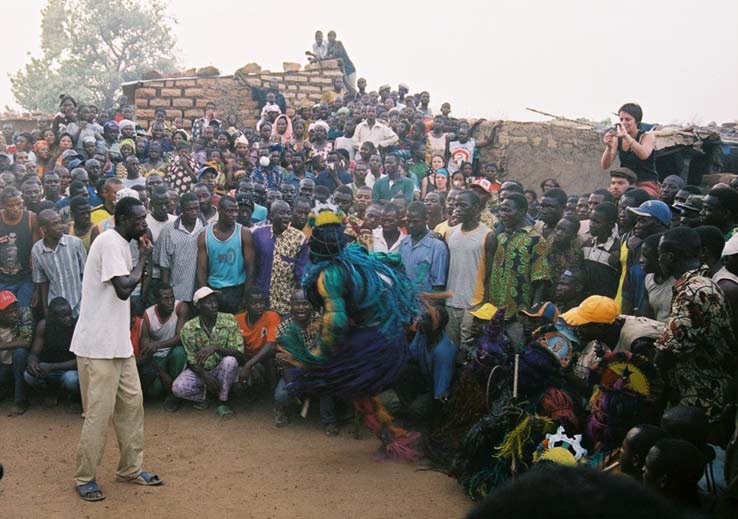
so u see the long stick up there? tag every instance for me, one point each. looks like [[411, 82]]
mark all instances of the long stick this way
[[560, 118], [515, 376], [305, 408]]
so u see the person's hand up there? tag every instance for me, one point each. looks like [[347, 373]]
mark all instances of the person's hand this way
[[245, 373], [34, 366], [82, 125], [609, 139], [204, 354], [145, 247], [621, 131], [148, 348], [212, 383]]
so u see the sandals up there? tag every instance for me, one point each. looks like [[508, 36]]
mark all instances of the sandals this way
[[146, 479], [281, 418], [331, 429], [224, 412], [171, 403], [90, 492]]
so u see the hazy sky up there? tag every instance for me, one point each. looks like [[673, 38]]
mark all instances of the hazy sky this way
[[578, 58]]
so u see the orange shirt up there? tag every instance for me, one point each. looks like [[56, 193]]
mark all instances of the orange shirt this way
[[263, 331], [136, 337]]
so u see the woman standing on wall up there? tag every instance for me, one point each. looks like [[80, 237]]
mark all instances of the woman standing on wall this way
[[634, 146]]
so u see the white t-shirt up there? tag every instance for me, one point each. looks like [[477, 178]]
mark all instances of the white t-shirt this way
[[103, 328], [155, 226]]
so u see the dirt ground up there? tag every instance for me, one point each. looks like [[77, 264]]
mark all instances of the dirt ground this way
[[241, 468]]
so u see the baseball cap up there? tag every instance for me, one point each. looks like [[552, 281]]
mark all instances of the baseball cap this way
[[205, 169], [731, 246], [624, 173], [125, 192], [594, 309], [6, 299], [385, 87], [655, 208], [485, 312], [482, 183], [69, 153], [203, 292], [245, 199], [74, 163], [546, 310], [693, 203]]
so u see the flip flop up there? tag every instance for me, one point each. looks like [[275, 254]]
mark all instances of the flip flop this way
[[224, 412], [146, 479], [201, 406], [90, 488]]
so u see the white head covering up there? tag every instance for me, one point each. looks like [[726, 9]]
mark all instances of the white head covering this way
[[731, 246], [126, 191], [323, 124], [126, 122]]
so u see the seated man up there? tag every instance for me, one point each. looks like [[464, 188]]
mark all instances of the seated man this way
[[214, 350], [161, 345], [306, 321], [259, 331], [16, 328], [50, 363]]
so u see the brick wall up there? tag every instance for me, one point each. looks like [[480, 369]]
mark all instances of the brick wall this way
[[186, 97]]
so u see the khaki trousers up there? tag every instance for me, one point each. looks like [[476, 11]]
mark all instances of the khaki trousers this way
[[110, 389]]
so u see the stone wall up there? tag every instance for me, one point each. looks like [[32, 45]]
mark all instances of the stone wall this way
[[186, 97], [531, 151]]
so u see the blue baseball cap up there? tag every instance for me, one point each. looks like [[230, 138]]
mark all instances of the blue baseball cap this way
[[655, 208]]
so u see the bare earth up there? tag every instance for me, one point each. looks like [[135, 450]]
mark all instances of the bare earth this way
[[241, 468]]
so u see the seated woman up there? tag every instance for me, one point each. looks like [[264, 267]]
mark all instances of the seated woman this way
[[634, 145]]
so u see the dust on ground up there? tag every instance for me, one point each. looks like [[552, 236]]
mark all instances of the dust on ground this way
[[244, 467]]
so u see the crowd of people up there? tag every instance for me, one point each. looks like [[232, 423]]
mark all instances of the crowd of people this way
[[609, 316]]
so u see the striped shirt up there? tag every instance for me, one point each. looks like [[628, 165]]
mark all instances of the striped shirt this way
[[61, 268], [176, 250]]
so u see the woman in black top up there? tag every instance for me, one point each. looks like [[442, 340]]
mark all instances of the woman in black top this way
[[634, 147]]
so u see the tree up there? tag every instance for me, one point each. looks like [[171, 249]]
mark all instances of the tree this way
[[90, 47]]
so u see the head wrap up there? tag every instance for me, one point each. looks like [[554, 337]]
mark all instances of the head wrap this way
[[129, 142], [111, 125], [442, 171], [88, 138], [343, 110], [37, 145], [126, 122], [270, 108], [320, 123], [241, 140], [287, 135]]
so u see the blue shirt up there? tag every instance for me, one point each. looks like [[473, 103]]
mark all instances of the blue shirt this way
[[259, 214], [292, 179], [270, 176], [426, 262], [324, 179], [226, 267], [437, 365]]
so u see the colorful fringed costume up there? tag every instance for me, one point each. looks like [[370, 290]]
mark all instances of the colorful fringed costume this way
[[362, 347]]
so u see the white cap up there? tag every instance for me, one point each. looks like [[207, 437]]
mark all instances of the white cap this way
[[731, 246], [126, 191], [201, 293]]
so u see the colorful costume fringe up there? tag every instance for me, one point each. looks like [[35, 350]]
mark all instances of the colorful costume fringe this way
[[362, 346]]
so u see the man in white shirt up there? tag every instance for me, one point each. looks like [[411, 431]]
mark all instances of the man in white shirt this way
[[108, 376], [373, 131]]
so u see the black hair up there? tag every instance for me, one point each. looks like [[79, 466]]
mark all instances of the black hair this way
[[26, 136], [160, 190], [559, 492], [343, 153], [638, 196], [605, 193], [64, 97], [187, 197], [323, 190], [652, 240], [10, 192], [476, 201], [686, 423], [531, 192], [301, 200], [224, 199], [58, 303], [390, 207], [519, 200], [77, 185], [681, 462], [78, 201], [418, 207], [608, 210], [124, 208], [345, 190], [684, 241], [572, 220], [550, 179], [633, 109], [711, 239], [646, 437], [557, 194], [161, 286], [514, 186], [728, 198]]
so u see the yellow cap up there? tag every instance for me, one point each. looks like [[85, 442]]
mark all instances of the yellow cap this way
[[594, 309], [485, 312]]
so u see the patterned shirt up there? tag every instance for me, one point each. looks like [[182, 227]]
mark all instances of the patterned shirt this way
[[178, 178], [271, 177], [279, 264], [225, 334], [698, 332], [520, 260], [565, 259], [309, 334]]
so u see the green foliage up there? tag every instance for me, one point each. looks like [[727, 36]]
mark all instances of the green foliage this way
[[90, 47]]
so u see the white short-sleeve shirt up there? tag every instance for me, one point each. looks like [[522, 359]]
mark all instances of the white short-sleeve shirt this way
[[103, 328]]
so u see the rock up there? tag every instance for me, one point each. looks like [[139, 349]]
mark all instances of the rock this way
[[207, 71], [250, 68], [290, 67], [151, 74]]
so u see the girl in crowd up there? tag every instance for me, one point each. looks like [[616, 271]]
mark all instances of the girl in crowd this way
[[429, 183], [66, 142], [283, 128]]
